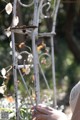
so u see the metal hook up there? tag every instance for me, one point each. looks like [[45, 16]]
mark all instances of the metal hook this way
[[48, 8], [45, 4]]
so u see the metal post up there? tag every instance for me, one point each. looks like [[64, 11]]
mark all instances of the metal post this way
[[56, 6], [14, 63], [15, 75], [36, 65]]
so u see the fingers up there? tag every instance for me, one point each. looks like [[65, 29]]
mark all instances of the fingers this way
[[41, 112], [42, 109], [34, 112], [48, 108], [40, 117]]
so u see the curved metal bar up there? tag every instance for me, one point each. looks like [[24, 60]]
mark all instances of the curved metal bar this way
[[48, 8], [24, 52], [24, 5], [49, 57], [49, 5], [28, 47]]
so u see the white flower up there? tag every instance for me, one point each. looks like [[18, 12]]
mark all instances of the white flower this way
[[19, 57], [26, 70], [2, 89], [10, 44], [8, 32], [8, 8], [3, 71], [11, 115], [15, 21], [10, 52], [4, 77], [16, 53], [30, 58]]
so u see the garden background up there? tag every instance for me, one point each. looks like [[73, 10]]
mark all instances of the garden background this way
[[66, 51]]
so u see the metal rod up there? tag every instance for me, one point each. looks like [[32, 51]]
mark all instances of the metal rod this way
[[35, 58], [22, 66], [53, 72], [15, 76], [56, 6], [27, 90], [48, 34], [14, 63], [46, 81]]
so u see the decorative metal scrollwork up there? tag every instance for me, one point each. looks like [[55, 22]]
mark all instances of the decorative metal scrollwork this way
[[45, 60], [45, 10], [25, 5], [25, 62]]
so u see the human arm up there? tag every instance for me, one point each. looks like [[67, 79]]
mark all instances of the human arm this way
[[41, 112]]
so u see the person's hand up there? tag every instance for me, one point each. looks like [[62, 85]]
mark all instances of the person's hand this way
[[41, 112]]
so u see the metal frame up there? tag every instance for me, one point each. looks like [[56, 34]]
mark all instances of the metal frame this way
[[38, 6]]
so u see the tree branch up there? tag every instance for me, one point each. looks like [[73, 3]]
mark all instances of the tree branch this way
[[71, 41]]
